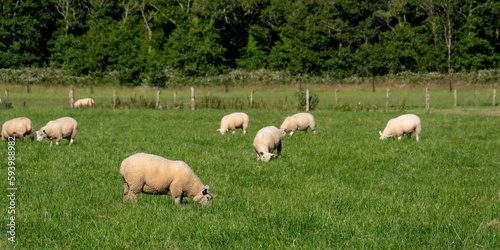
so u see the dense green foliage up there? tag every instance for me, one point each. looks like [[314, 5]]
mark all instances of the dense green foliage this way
[[150, 41], [339, 188]]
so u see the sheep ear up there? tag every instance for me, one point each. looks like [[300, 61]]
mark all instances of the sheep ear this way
[[261, 153], [205, 190]]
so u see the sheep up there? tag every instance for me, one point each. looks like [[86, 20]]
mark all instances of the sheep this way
[[152, 174], [299, 121], [234, 121], [402, 125], [18, 128], [84, 102], [266, 141], [65, 127]]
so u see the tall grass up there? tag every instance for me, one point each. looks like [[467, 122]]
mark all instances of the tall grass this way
[[239, 78], [339, 188]]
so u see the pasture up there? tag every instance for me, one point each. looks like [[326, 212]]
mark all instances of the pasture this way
[[339, 188]]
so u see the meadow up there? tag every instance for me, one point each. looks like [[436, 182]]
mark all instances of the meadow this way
[[339, 188]]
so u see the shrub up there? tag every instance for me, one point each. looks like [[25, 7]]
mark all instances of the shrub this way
[[301, 99]]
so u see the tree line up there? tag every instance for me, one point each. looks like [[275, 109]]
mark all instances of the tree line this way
[[150, 41]]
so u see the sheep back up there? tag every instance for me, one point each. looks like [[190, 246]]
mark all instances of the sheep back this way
[[18, 128], [84, 102], [234, 121], [152, 174], [62, 128], [266, 141], [402, 125], [299, 121]]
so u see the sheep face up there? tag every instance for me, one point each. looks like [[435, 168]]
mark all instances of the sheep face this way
[[382, 136], [265, 157], [40, 135], [222, 131], [283, 132], [206, 196]]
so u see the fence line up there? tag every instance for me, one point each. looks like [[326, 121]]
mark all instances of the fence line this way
[[347, 100]]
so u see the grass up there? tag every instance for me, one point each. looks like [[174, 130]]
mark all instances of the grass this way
[[338, 188]]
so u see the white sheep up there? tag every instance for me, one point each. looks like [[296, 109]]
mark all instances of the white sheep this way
[[152, 174], [234, 121], [266, 141], [18, 128], [299, 121], [65, 127], [84, 102], [402, 125]]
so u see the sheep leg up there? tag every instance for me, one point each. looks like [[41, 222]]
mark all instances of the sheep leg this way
[[21, 137], [409, 135], [125, 192], [176, 192], [51, 142], [71, 141], [399, 137]]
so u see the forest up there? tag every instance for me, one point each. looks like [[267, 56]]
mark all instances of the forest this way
[[146, 42]]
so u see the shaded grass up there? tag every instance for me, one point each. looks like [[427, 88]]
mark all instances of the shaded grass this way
[[340, 187]]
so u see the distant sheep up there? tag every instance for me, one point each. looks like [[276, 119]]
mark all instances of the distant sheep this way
[[266, 141], [65, 127], [234, 121], [152, 174], [402, 125], [299, 121], [18, 128], [86, 102]]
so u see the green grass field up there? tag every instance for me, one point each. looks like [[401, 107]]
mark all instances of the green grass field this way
[[339, 188]]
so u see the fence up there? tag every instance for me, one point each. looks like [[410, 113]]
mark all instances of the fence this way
[[356, 100]]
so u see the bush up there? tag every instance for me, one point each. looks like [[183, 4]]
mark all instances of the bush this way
[[301, 99]]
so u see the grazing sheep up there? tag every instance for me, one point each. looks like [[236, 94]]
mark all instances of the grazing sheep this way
[[402, 125], [299, 121], [266, 140], [234, 121], [84, 102], [65, 127], [18, 128], [152, 174]]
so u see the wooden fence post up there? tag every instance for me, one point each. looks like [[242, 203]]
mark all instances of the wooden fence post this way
[[387, 99], [175, 97], [114, 98], [427, 100], [251, 98], [449, 81], [27, 86], [92, 87], [71, 99], [307, 99], [455, 98], [336, 98], [6, 95], [225, 84], [192, 99], [157, 98], [373, 85]]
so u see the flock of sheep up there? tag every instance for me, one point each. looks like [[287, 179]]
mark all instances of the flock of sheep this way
[[152, 174]]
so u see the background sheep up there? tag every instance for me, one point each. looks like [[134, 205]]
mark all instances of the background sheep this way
[[266, 140], [89, 102], [65, 127], [234, 121], [18, 128], [402, 125], [152, 174], [299, 121]]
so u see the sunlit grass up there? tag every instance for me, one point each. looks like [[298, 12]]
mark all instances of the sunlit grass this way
[[339, 188]]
